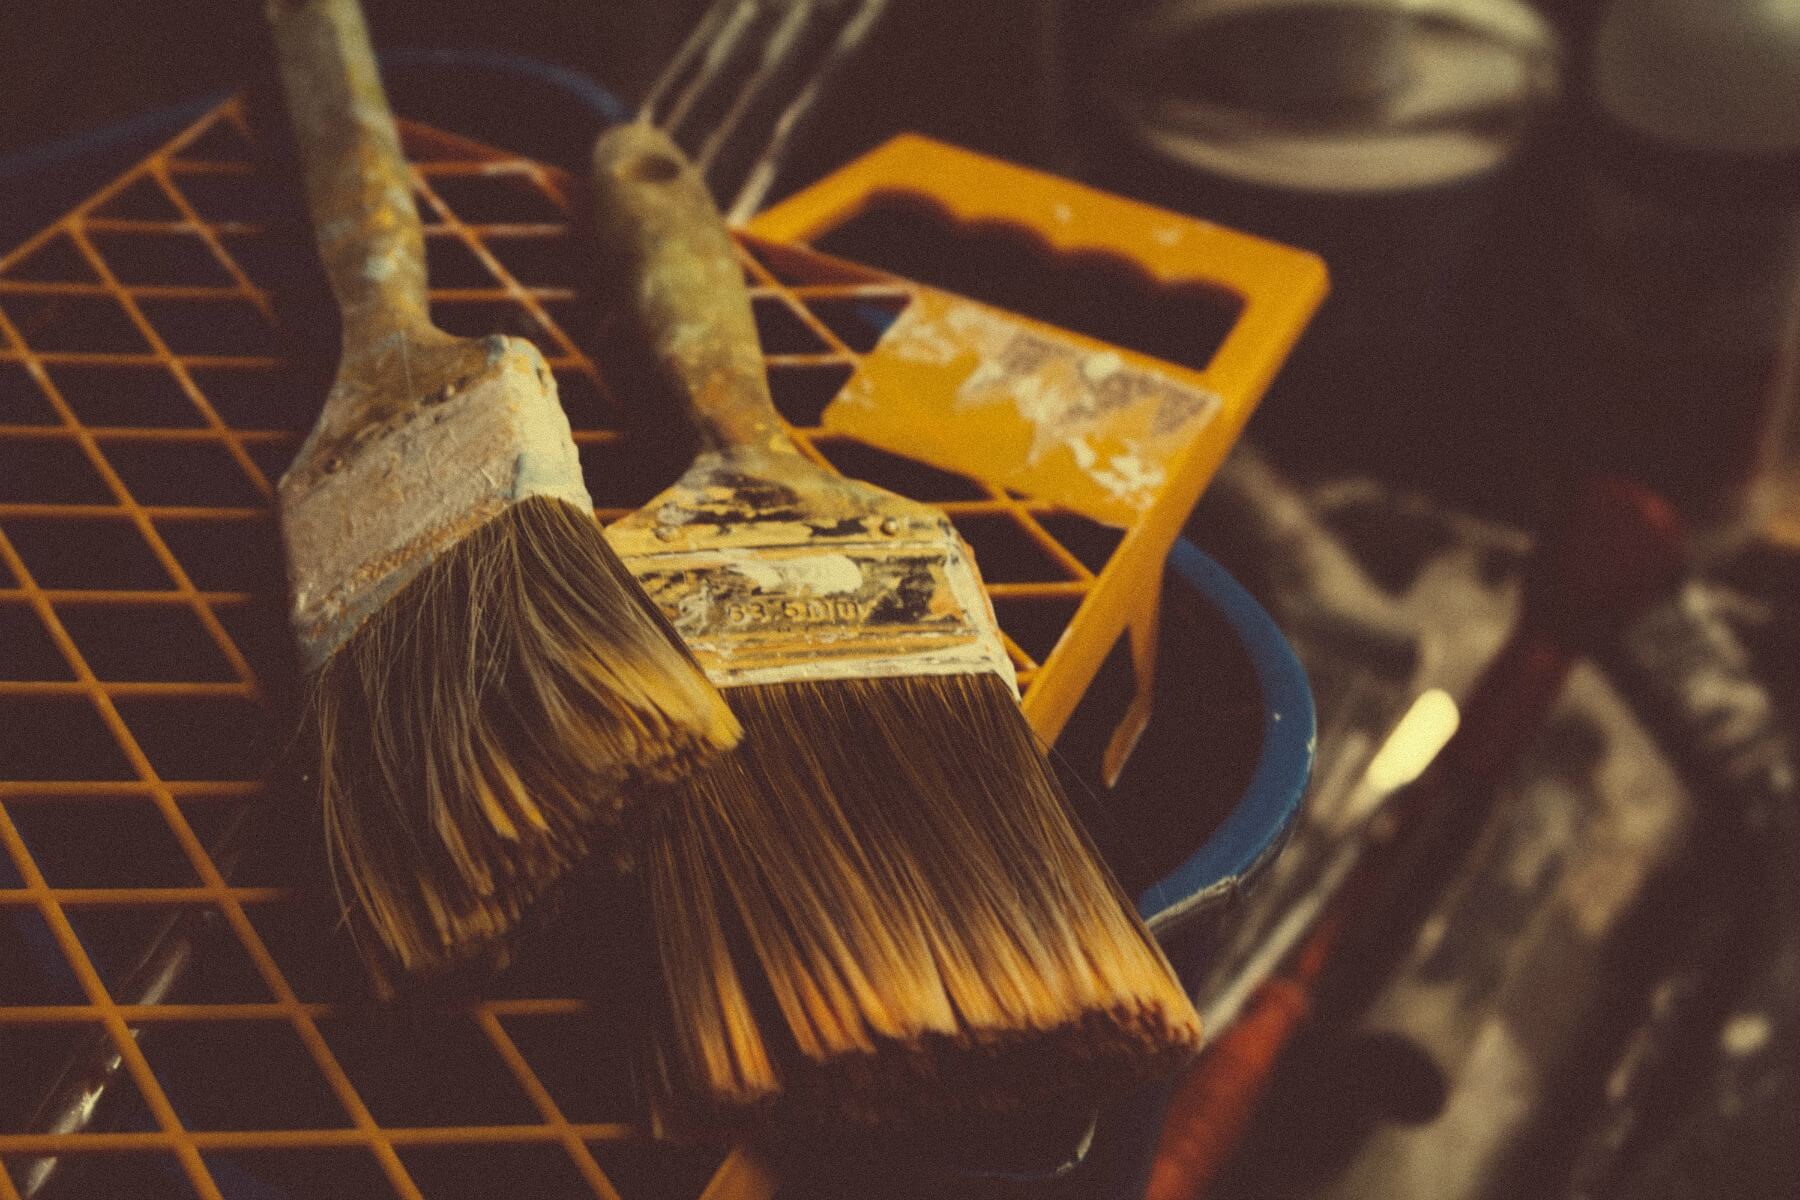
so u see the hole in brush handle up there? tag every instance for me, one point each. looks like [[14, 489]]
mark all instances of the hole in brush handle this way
[[652, 168]]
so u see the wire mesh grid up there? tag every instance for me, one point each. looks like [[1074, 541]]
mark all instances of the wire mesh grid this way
[[156, 373]]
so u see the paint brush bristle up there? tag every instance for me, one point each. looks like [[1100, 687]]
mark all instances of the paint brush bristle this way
[[485, 675], [476, 731], [880, 911]]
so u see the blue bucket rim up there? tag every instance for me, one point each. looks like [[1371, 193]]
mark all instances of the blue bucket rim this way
[[1253, 832]]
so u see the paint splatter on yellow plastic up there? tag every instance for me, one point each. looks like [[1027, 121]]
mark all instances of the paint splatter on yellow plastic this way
[[1035, 409]]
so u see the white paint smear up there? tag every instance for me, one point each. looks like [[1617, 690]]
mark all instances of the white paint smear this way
[[813, 575]]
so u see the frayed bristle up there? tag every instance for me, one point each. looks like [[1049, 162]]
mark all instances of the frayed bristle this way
[[475, 733], [880, 910]]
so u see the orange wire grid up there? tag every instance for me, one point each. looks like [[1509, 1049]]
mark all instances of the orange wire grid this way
[[163, 348]]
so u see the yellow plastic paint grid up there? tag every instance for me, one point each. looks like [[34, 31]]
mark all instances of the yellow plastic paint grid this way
[[1085, 360], [162, 349]]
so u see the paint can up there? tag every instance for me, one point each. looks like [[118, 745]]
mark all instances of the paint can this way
[[1683, 305], [1392, 138]]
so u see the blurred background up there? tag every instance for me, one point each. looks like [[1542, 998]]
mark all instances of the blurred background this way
[[1564, 243]]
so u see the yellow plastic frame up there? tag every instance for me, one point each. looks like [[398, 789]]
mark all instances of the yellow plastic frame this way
[[1280, 288]]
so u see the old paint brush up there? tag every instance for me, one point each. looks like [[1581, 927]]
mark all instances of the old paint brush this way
[[879, 909], [484, 675]]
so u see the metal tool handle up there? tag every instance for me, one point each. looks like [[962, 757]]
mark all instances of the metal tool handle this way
[[358, 188], [85, 1090], [748, 82], [668, 261]]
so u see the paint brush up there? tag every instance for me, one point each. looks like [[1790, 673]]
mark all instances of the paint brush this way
[[484, 675], [880, 909]]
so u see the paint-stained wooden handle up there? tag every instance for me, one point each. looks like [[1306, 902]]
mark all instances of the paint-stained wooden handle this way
[[670, 271], [357, 185]]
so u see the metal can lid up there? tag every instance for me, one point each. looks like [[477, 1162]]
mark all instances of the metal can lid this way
[[1336, 95]]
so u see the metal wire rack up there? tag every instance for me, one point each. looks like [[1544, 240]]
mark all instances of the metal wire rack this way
[[162, 349]]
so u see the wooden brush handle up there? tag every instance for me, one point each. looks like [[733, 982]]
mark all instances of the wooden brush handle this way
[[669, 260], [357, 185]]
